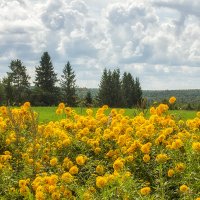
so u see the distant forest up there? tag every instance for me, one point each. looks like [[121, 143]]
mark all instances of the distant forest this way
[[186, 99]]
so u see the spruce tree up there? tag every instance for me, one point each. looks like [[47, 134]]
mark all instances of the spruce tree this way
[[68, 85], [105, 89], [46, 78], [128, 90], [116, 92], [17, 82], [88, 99], [8, 89], [138, 91]]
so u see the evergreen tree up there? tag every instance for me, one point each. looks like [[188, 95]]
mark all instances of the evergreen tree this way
[[105, 90], [116, 92], [9, 93], [88, 99], [138, 91], [128, 90], [68, 85], [2, 93], [45, 93], [46, 78], [17, 83], [119, 93]]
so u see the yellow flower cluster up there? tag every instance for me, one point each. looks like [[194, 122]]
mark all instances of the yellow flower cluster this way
[[81, 156], [172, 100]]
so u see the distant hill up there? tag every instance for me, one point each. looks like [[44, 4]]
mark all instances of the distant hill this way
[[183, 96], [81, 92]]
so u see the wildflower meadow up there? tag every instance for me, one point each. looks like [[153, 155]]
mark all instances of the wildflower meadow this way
[[99, 156]]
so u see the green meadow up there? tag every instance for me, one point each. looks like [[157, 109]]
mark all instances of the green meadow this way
[[47, 114]]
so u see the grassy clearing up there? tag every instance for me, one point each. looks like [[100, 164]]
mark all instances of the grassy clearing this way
[[47, 114]]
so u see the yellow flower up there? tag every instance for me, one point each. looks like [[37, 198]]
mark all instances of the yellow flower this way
[[170, 172], [80, 160], [118, 164], [53, 179], [184, 188], [53, 161], [146, 158], [40, 195], [177, 144], [145, 190], [152, 111], [100, 169], [59, 111], [27, 105], [52, 188], [55, 196], [8, 141], [196, 146], [97, 150], [101, 181], [24, 190], [22, 183], [146, 148], [7, 153], [180, 167], [87, 195], [73, 170], [161, 158], [61, 106], [172, 100], [67, 177], [67, 193], [198, 198]]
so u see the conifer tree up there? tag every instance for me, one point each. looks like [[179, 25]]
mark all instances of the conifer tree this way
[[17, 82], [88, 99], [68, 85], [46, 78], [138, 91], [45, 91], [116, 92], [105, 90], [8, 89], [128, 90]]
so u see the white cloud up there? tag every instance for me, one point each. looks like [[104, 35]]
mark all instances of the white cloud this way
[[155, 40]]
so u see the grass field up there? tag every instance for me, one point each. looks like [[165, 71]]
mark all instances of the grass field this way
[[47, 114]]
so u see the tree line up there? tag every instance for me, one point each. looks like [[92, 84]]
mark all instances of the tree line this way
[[119, 92], [48, 90]]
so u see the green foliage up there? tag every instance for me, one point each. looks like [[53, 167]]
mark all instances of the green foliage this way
[[40, 97], [2, 94], [128, 89], [88, 99], [16, 84], [183, 97], [45, 92], [116, 91], [68, 86], [46, 78], [119, 93], [105, 90]]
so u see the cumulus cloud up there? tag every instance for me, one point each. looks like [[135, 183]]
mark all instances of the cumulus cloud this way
[[155, 40]]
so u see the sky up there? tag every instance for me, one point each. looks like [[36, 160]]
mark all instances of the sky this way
[[155, 40]]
